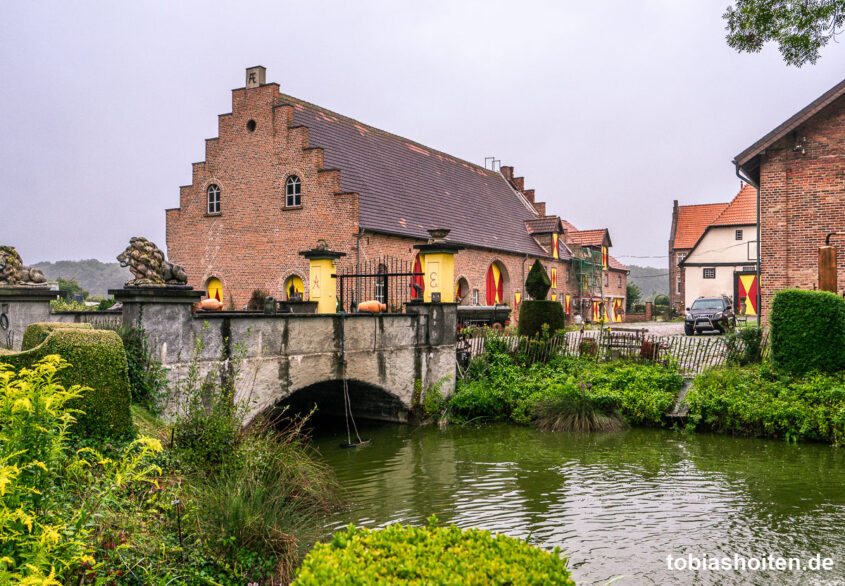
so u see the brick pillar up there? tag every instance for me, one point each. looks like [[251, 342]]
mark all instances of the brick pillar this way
[[648, 310]]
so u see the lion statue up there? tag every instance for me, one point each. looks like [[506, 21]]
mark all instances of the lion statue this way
[[147, 263], [14, 272]]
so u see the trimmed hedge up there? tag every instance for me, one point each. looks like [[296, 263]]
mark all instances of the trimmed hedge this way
[[97, 361], [808, 331], [534, 313], [429, 555], [37, 332]]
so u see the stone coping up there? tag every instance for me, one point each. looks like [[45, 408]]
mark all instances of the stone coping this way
[[163, 294], [28, 293]]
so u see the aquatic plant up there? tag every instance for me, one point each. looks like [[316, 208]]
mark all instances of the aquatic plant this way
[[576, 412]]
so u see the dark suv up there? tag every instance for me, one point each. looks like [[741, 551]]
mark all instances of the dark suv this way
[[709, 313]]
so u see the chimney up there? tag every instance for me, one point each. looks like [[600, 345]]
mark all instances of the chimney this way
[[518, 183], [529, 194], [540, 206], [507, 172], [255, 76]]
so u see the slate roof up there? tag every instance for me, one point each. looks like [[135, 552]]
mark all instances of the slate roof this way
[[406, 188], [742, 210], [693, 220]]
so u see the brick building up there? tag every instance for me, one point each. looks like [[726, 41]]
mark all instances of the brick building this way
[[283, 174], [722, 261], [799, 171]]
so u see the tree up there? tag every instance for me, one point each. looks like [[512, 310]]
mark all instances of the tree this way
[[538, 283], [72, 286], [632, 295], [800, 27]]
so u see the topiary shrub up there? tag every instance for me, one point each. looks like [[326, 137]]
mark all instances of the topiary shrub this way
[[808, 331], [429, 555], [538, 283], [97, 361], [533, 314], [37, 332]]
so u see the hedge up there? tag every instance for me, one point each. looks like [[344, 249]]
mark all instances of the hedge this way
[[97, 361], [37, 332], [429, 555], [534, 313], [808, 331]]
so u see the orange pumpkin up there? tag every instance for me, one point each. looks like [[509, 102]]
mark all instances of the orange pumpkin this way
[[211, 304], [372, 306]]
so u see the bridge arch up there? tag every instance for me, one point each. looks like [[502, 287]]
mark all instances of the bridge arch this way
[[369, 401]]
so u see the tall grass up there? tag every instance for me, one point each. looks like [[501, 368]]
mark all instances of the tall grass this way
[[266, 499], [575, 412]]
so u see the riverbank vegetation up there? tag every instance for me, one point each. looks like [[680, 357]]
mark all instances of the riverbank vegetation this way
[[429, 555], [758, 400], [501, 386], [83, 511]]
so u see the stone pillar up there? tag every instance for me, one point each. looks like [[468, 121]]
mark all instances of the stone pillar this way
[[439, 260], [165, 314], [827, 268], [19, 307], [322, 279]]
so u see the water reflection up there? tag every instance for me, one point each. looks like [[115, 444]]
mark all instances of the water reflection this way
[[617, 503]]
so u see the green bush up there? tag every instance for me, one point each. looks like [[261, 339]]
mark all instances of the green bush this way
[[429, 555], [760, 401], [99, 362], [538, 282], [534, 313], [745, 345], [499, 387], [53, 497], [808, 331], [37, 332]]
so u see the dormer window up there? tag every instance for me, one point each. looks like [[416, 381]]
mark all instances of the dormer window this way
[[213, 193], [293, 192]]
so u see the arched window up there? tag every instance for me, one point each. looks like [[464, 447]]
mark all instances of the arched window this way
[[293, 192], [294, 288], [214, 289], [213, 199]]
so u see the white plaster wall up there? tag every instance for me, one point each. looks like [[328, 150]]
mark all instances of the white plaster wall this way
[[698, 286], [719, 244]]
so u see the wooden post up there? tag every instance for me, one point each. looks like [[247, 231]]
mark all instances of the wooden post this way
[[827, 268]]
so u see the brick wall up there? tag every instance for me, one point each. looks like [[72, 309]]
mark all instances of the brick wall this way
[[802, 198]]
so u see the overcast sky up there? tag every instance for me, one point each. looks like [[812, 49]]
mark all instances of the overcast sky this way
[[609, 109]]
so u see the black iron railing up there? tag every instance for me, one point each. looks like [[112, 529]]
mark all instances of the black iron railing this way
[[387, 280]]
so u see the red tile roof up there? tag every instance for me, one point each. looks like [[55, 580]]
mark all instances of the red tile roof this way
[[742, 210], [693, 220], [615, 264], [544, 225], [589, 237], [406, 188]]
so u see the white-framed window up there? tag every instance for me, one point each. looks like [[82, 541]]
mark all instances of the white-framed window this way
[[678, 283], [567, 275], [293, 192], [213, 193], [606, 280], [680, 257], [475, 296], [381, 283], [709, 273], [739, 234], [619, 281]]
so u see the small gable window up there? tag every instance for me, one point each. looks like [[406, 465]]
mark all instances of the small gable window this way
[[739, 234], [213, 199], [293, 192]]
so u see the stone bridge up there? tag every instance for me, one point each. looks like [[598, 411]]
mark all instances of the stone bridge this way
[[288, 359]]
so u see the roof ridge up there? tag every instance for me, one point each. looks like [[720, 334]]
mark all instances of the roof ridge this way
[[388, 133], [694, 205]]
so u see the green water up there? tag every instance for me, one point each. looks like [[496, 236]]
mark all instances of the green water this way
[[618, 504]]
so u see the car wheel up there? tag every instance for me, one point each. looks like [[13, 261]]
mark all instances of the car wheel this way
[[689, 330]]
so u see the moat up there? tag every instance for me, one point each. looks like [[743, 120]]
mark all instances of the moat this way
[[617, 504]]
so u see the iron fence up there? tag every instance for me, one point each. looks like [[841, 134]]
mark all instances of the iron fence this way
[[387, 280]]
